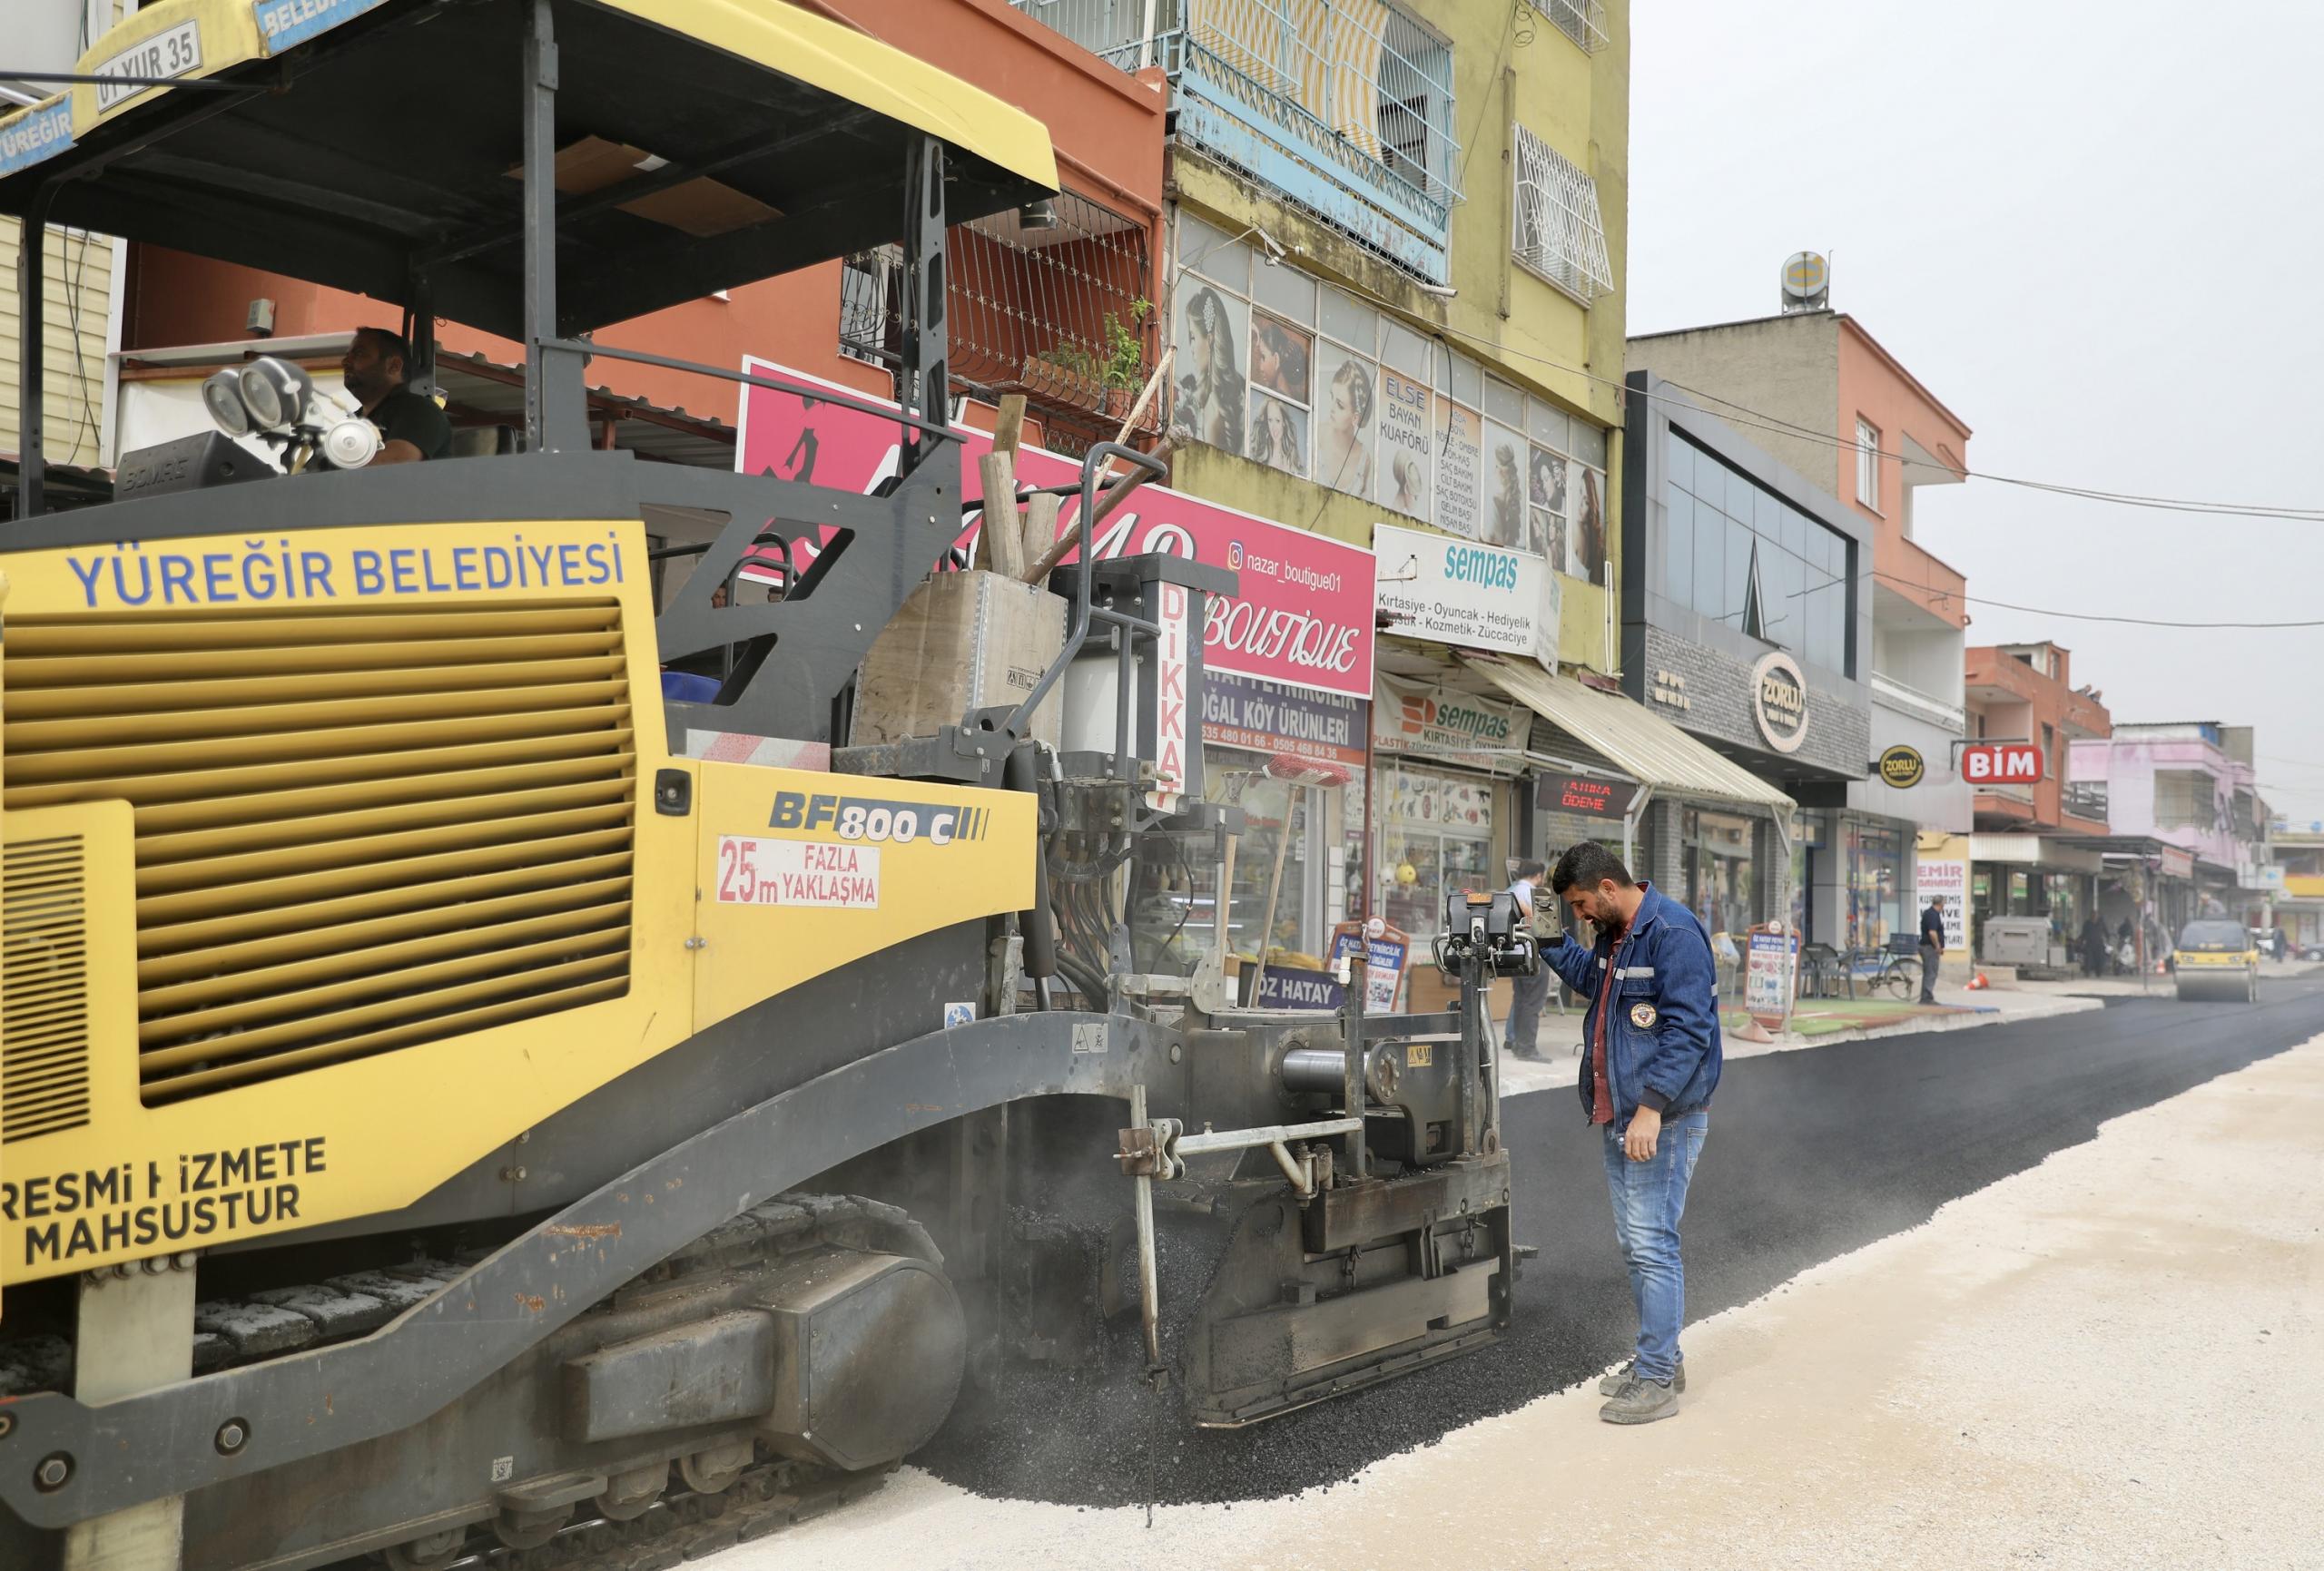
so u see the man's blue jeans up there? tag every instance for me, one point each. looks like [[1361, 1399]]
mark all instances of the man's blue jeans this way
[[1649, 1199]]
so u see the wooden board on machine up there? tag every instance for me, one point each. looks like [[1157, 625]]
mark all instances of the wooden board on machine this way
[[962, 641]]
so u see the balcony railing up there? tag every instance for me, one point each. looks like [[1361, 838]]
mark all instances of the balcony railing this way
[[1343, 106], [1887, 690], [1114, 30], [1058, 314]]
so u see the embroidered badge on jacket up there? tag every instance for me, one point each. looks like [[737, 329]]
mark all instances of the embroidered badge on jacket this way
[[1643, 1017]]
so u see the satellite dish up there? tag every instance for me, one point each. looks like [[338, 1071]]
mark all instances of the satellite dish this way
[[1807, 281]]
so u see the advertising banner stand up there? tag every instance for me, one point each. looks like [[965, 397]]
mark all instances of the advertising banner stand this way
[[1771, 976], [1387, 958]]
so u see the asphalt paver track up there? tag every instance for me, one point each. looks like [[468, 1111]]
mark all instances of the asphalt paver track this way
[[1812, 1153]]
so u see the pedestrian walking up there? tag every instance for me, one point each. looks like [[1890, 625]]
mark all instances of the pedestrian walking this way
[[1647, 1078], [2093, 947], [1932, 946], [1527, 993]]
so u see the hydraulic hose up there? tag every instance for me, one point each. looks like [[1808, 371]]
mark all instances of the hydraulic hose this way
[[1022, 773]]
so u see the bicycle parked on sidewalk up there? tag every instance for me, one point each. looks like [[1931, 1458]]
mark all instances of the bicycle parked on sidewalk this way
[[1897, 975]]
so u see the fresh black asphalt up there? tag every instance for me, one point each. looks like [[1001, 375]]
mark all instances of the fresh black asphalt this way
[[1811, 1154]]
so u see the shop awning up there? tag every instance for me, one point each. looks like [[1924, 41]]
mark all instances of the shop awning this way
[[2144, 850], [1641, 743], [2045, 853]]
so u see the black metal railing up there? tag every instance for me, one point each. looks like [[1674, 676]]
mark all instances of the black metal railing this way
[[1057, 312]]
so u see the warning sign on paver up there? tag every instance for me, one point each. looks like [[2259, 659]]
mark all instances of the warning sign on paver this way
[[763, 872]]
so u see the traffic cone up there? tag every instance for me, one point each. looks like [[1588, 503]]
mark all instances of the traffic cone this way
[[1978, 981]]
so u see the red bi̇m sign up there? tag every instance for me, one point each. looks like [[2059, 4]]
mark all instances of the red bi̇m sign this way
[[2000, 763]]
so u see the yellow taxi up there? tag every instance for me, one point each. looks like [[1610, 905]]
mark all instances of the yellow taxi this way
[[2217, 958]]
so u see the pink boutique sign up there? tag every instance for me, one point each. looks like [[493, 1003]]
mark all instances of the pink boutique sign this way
[[1305, 616]]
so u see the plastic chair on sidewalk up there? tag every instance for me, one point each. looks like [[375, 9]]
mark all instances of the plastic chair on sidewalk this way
[[1823, 970]]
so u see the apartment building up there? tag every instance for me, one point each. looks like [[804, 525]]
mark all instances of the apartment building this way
[[1395, 319], [1817, 391]]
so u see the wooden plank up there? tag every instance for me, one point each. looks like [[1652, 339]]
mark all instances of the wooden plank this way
[[1000, 542], [1008, 425], [1008, 437], [1041, 524]]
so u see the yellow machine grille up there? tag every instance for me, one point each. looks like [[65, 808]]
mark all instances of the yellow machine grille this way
[[356, 831], [43, 990]]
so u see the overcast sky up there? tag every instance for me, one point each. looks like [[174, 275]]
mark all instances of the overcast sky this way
[[2096, 233]]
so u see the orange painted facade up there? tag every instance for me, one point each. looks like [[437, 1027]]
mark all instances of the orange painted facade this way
[[1873, 387], [2025, 692], [1107, 128]]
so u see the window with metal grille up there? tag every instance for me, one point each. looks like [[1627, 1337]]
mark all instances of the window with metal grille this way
[[2184, 799], [1583, 21], [1415, 104], [1343, 107], [1559, 234], [1058, 312]]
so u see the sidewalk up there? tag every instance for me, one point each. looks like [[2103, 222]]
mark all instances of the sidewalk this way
[[2115, 1358], [1816, 1023], [2156, 987]]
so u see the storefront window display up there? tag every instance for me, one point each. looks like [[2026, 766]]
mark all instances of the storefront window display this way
[[1721, 885], [1999, 891], [1435, 838], [1189, 889], [1876, 886]]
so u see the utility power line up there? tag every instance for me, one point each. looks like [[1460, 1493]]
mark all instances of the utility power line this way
[[1768, 422], [1744, 414], [2095, 616]]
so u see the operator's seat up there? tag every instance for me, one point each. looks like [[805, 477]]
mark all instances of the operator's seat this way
[[484, 441]]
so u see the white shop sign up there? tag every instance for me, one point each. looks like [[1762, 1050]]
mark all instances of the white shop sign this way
[[1436, 722], [1946, 879], [1460, 591]]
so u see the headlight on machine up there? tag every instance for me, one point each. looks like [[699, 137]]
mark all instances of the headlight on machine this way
[[222, 395], [275, 391], [351, 443]]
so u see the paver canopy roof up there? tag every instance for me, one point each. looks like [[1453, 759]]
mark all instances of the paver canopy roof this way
[[702, 143]]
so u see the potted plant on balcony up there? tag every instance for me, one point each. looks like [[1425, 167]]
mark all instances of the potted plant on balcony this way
[[1103, 383]]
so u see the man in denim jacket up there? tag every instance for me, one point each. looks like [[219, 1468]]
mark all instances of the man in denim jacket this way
[[1649, 1065]]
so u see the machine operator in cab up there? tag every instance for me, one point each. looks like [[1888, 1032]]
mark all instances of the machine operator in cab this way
[[411, 428]]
